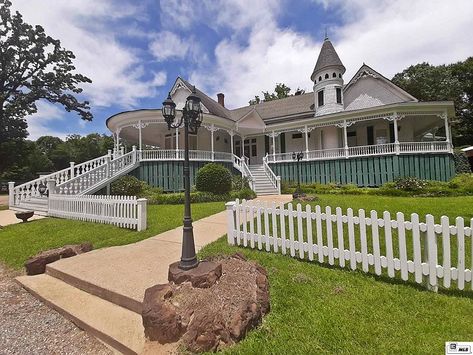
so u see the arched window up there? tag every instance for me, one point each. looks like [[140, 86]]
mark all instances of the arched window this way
[[326, 76], [320, 78], [334, 75], [340, 75]]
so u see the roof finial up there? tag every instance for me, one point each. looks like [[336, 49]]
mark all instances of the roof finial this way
[[326, 35]]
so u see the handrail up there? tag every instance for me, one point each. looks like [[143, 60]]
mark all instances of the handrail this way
[[246, 172], [275, 180], [178, 154], [367, 150]]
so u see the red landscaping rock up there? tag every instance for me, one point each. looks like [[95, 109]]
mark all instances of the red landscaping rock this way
[[211, 318], [202, 276], [37, 264]]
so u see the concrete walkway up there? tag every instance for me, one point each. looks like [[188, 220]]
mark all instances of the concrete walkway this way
[[8, 217], [102, 291], [123, 273]]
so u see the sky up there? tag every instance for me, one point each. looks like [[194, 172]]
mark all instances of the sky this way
[[134, 50]]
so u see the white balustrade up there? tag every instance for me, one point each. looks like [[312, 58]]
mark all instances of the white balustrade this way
[[275, 180], [367, 150]]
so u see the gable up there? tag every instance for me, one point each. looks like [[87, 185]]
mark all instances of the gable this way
[[179, 93], [370, 89], [251, 123]]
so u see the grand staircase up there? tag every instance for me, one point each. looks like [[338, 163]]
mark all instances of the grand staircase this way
[[86, 178], [262, 184]]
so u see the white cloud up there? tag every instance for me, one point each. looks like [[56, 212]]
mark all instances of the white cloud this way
[[86, 27], [167, 45], [40, 122], [159, 78], [387, 35]]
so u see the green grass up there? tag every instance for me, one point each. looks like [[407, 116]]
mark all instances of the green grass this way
[[20, 241], [3, 207], [320, 309]]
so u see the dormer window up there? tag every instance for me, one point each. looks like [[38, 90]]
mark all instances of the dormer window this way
[[320, 98], [339, 95]]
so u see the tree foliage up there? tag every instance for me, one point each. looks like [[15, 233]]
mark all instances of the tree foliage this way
[[280, 91], [33, 66], [453, 82]]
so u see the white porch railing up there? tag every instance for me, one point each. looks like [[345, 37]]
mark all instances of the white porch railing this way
[[246, 172], [420, 250], [368, 150], [178, 154], [122, 211]]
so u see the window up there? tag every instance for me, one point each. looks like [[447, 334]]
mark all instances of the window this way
[[340, 75], [320, 98], [297, 136], [334, 75], [339, 95], [326, 76], [320, 78]]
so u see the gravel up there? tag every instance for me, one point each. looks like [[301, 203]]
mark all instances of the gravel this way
[[27, 326]]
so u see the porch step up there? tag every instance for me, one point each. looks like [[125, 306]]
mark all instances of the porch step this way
[[116, 326], [262, 184]]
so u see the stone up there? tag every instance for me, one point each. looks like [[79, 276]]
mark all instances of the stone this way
[[160, 319], [203, 276], [210, 318], [37, 264]]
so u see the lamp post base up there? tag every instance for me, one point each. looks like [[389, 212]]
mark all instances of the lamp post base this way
[[204, 275]]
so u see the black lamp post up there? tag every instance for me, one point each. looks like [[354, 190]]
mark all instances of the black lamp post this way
[[298, 157], [191, 119]]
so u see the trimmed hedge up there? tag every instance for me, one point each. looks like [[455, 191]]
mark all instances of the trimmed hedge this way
[[214, 178], [178, 198], [127, 185]]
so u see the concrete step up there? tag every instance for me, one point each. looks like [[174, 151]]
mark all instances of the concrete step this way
[[116, 326]]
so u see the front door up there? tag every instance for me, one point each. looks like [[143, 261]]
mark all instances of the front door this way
[[251, 150]]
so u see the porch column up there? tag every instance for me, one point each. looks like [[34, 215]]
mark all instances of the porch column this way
[[118, 141], [273, 136], [396, 135], [306, 132], [231, 133], [139, 132], [177, 143], [447, 132], [212, 129], [345, 138], [242, 152]]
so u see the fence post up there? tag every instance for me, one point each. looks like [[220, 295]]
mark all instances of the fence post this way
[[430, 246], [72, 168], [230, 222], [278, 183], [11, 194], [142, 204], [51, 190]]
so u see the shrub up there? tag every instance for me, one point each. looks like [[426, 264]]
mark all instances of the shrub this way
[[410, 184], [462, 182], [128, 185], [247, 194], [214, 178], [240, 182], [462, 165]]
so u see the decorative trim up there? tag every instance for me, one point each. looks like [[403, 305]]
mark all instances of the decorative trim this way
[[140, 125], [273, 134], [211, 128], [363, 74]]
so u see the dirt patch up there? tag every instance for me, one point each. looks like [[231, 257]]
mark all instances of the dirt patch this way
[[209, 319]]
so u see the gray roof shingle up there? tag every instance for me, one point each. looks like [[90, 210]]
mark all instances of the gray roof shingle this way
[[328, 57]]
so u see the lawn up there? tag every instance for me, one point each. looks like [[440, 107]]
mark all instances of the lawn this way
[[317, 309], [20, 241]]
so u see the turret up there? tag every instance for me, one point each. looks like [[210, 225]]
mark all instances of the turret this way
[[328, 81]]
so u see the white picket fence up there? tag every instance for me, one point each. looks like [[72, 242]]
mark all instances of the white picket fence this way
[[394, 247], [122, 211]]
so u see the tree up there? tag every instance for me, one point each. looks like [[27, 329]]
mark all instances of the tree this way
[[280, 92], [451, 82], [33, 66]]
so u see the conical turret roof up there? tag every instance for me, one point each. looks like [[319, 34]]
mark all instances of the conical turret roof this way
[[328, 57]]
